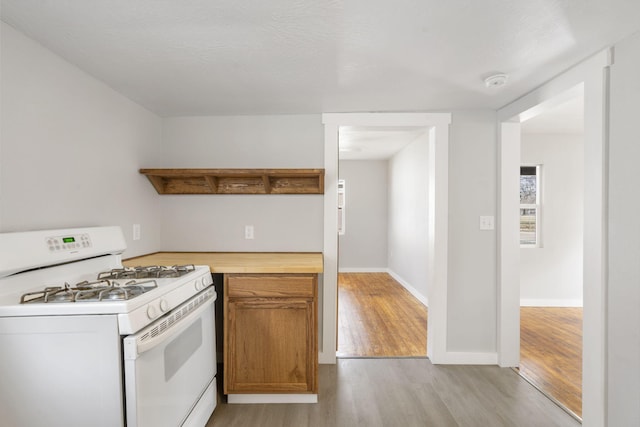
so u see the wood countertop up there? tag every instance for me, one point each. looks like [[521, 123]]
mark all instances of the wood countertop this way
[[237, 262]]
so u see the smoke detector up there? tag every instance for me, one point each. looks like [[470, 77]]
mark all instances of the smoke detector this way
[[496, 80]]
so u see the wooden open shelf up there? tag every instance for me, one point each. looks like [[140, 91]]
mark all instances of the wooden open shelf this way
[[236, 181]]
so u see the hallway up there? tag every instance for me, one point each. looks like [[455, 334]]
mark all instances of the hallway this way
[[378, 317]]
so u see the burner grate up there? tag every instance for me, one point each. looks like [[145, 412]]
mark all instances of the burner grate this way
[[147, 272], [100, 290]]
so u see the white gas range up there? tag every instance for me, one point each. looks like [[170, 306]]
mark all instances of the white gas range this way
[[85, 341]]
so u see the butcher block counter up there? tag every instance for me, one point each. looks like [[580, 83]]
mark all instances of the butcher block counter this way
[[270, 318], [237, 262]]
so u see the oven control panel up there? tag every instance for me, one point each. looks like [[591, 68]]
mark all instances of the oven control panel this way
[[68, 242], [27, 250]]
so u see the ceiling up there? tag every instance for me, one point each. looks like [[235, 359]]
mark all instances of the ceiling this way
[[378, 143], [375, 143], [202, 57], [566, 118]]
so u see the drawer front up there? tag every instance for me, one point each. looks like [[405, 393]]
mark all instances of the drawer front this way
[[270, 285]]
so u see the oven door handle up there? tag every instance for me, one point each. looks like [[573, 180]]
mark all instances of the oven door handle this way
[[167, 327]]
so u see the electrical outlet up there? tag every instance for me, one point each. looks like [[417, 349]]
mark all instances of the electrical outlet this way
[[248, 231], [136, 231]]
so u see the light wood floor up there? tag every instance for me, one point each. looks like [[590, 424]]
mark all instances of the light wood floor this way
[[551, 352], [410, 393], [378, 317]]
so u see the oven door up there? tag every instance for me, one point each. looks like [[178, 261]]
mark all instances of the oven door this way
[[170, 367]]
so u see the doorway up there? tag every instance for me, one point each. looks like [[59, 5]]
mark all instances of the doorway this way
[[551, 252], [438, 125], [382, 280], [591, 76]]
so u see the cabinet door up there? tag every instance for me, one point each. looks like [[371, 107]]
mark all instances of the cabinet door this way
[[271, 346]]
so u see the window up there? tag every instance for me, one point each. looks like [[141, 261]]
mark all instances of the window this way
[[530, 206]]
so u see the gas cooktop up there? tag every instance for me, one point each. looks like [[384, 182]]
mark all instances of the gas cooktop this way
[[102, 290], [154, 271], [118, 284]]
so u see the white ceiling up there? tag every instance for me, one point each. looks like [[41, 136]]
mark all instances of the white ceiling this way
[[375, 143], [203, 57], [378, 143]]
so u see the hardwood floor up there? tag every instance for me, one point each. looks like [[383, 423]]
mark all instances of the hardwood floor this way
[[410, 393], [378, 317], [413, 392], [551, 352]]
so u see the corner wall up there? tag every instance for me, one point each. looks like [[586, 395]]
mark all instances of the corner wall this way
[[71, 148], [282, 223], [623, 291], [409, 217]]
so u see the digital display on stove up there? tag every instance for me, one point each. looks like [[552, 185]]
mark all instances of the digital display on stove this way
[[68, 239]]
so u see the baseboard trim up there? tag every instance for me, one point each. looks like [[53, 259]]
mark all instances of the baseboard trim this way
[[327, 358], [447, 358], [272, 398], [410, 288], [363, 270], [550, 302], [464, 358]]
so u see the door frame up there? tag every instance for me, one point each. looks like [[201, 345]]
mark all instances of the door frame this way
[[593, 75], [438, 124]]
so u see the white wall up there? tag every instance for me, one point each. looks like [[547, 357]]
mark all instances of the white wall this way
[[408, 216], [71, 148], [623, 296], [551, 275], [216, 223], [472, 306], [364, 245], [54, 115]]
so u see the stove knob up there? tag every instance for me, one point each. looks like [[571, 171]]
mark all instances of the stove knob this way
[[164, 305], [197, 284], [151, 312]]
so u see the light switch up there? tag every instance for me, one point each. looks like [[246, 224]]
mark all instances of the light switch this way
[[136, 231], [486, 223], [248, 231]]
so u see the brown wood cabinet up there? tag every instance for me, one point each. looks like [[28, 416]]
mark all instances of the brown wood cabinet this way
[[270, 333]]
